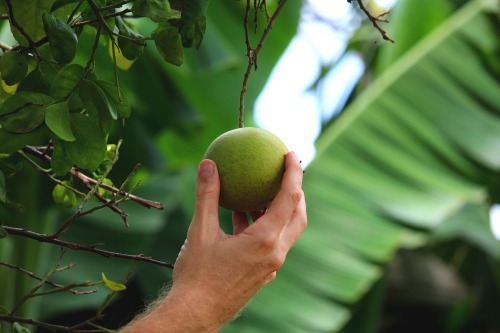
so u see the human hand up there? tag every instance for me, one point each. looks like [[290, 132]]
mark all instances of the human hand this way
[[215, 273], [218, 273]]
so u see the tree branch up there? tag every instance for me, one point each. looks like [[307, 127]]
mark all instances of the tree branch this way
[[80, 247], [88, 180], [49, 327], [50, 283], [376, 19], [253, 53]]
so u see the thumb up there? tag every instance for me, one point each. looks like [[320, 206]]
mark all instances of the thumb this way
[[206, 220]]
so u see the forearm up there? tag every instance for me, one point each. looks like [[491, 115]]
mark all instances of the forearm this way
[[186, 312]]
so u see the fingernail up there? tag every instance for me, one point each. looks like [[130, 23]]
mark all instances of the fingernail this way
[[206, 169]]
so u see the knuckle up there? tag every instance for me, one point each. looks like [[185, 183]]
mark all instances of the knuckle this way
[[275, 262], [296, 195], [267, 243]]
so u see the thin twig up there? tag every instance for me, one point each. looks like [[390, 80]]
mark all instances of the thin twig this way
[[80, 247], [86, 179], [49, 327], [376, 20], [50, 283], [253, 53], [14, 22]]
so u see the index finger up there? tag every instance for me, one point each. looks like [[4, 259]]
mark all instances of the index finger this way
[[289, 196]]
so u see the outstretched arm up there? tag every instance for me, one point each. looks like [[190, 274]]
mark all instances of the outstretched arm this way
[[216, 274]]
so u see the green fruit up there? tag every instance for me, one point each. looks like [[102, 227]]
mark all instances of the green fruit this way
[[63, 196], [251, 163]]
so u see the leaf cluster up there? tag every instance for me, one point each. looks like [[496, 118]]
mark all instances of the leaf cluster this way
[[52, 98]]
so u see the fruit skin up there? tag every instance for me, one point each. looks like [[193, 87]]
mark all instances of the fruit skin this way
[[251, 163], [63, 196]]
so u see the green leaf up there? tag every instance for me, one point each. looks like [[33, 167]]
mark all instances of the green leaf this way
[[61, 3], [194, 11], [114, 286], [98, 105], [24, 111], [60, 163], [35, 82], [13, 67], [130, 49], [28, 15], [169, 43], [66, 80], [417, 148], [62, 39], [57, 119], [117, 96], [12, 142], [156, 10], [193, 22], [89, 149]]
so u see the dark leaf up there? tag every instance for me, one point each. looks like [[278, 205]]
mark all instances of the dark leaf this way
[[89, 148], [13, 67], [24, 111], [116, 96], [61, 3], [156, 10], [129, 48], [66, 80], [60, 163], [57, 120], [34, 82], [169, 44], [62, 39], [98, 105]]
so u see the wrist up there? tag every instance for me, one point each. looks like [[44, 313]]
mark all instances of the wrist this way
[[191, 311]]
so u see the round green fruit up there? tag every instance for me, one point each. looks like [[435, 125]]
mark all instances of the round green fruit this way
[[251, 163], [63, 196]]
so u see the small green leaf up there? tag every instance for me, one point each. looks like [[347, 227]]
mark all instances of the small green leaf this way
[[114, 286], [66, 80], [13, 67], [3, 309], [24, 111], [57, 119], [130, 49], [62, 39], [117, 96], [169, 43], [156, 10]]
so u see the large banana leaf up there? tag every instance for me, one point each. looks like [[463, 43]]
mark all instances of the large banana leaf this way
[[419, 147]]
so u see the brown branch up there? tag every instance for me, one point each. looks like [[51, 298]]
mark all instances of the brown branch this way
[[49, 327], [88, 180], [80, 247], [253, 53], [376, 19], [50, 283]]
